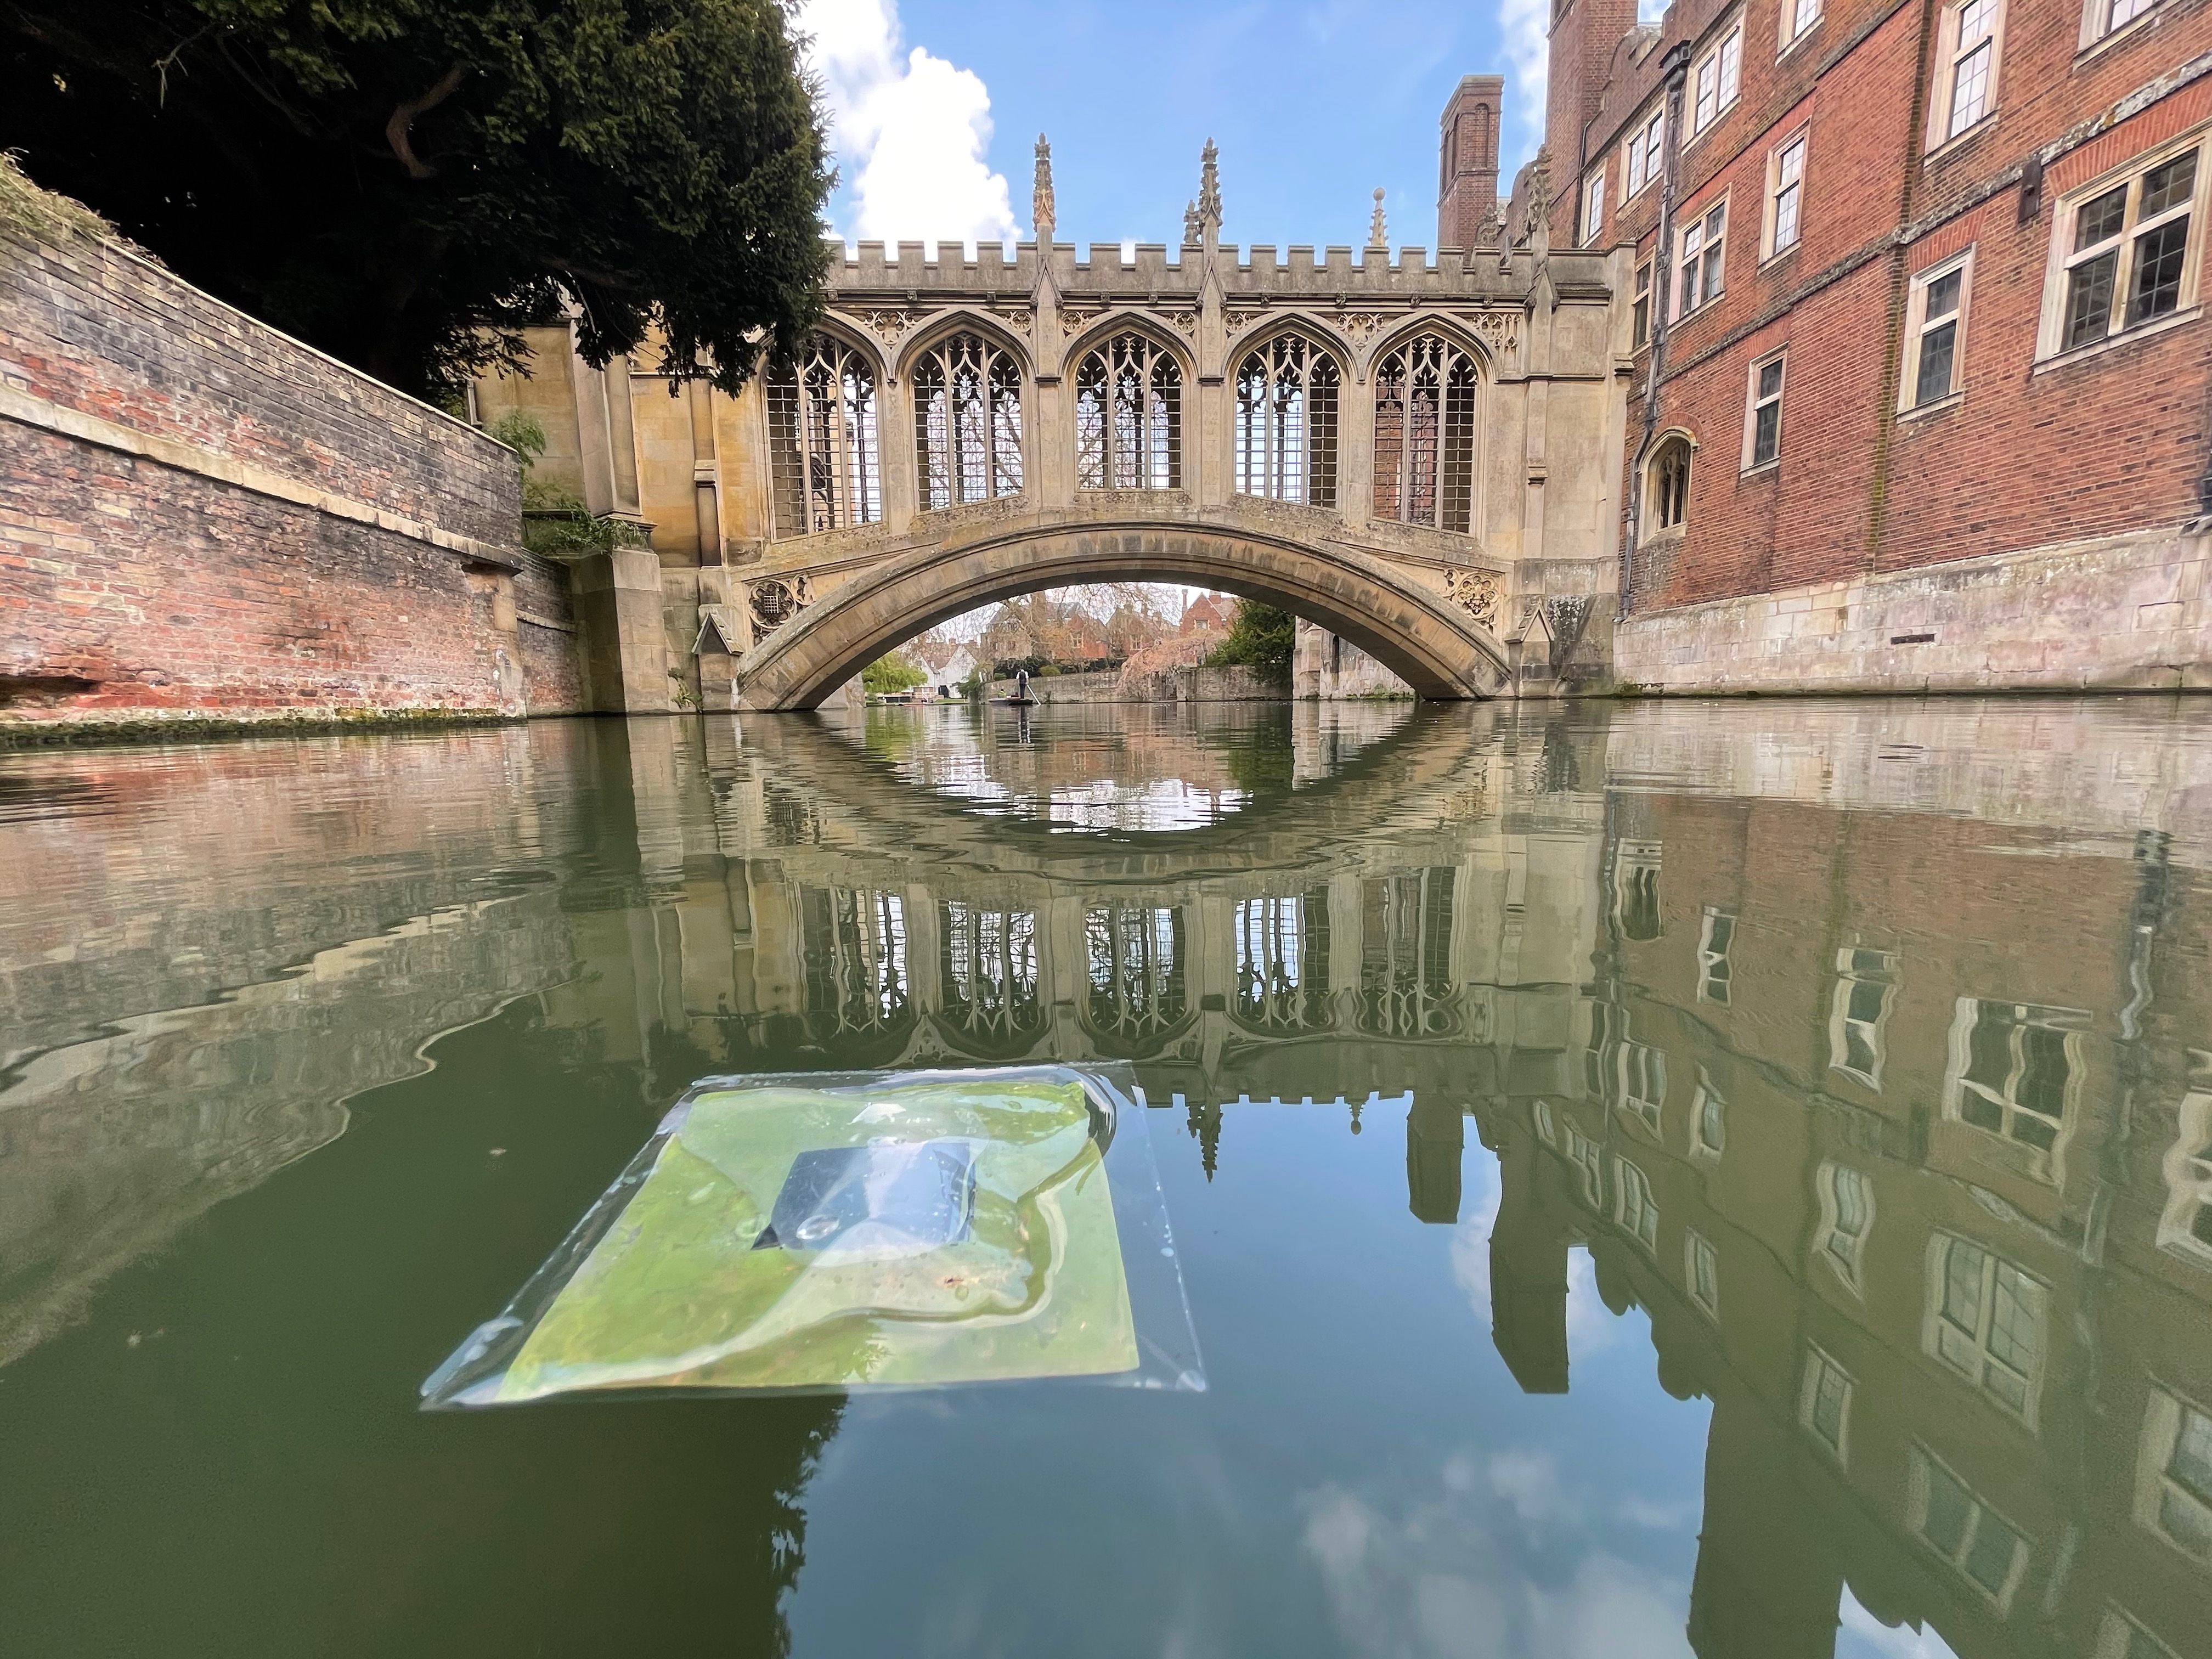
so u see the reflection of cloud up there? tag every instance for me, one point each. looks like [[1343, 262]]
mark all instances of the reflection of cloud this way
[[1448, 1581], [1591, 1326], [1865, 1637]]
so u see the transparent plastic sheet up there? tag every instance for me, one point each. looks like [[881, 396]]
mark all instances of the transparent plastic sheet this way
[[805, 1232]]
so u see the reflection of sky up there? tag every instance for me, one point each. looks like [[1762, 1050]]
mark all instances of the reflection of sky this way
[[1363, 1477], [1164, 803]]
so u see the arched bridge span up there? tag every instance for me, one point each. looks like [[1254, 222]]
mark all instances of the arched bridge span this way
[[1435, 646]]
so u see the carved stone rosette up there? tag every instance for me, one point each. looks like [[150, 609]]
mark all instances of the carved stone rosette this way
[[1477, 593], [772, 601]]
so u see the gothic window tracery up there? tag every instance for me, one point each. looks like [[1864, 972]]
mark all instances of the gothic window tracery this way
[[822, 432], [1128, 416], [1286, 396], [1670, 484], [967, 422], [1424, 396]]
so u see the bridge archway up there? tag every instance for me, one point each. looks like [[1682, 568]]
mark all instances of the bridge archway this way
[[1432, 644]]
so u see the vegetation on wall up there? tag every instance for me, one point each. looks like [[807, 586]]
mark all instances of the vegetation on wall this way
[[555, 523], [406, 183], [1260, 638]]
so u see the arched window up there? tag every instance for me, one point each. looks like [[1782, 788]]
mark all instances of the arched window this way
[[821, 439], [967, 422], [1128, 417], [1670, 484], [1286, 424], [1424, 434]]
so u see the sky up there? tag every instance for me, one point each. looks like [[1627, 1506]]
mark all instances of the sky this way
[[938, 103]]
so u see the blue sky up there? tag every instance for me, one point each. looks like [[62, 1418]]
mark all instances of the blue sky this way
[[1314, 105]]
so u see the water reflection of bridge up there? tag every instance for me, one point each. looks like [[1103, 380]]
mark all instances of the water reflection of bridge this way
[[1820, 1088], [1391, 928]]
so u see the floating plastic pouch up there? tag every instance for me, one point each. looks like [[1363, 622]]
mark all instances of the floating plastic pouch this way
[[858, 1230]]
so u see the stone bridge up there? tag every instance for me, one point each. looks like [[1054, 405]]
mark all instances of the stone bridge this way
[[1410, 452]]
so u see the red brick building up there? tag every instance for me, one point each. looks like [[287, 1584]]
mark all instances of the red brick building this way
[[1905, 285]]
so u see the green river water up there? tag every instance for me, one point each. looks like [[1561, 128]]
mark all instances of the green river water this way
[[1663, 1179]]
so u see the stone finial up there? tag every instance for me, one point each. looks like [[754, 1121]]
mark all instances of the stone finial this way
[[1540, 187], [1491, 233], [1209, 191], [1041, 202], [1190, 231], [1378, 232]]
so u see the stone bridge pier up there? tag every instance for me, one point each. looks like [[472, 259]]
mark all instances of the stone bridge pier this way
[[1412, 453]]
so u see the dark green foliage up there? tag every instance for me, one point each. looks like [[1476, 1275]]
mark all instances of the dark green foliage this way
[[1260, 638], [406, 183]]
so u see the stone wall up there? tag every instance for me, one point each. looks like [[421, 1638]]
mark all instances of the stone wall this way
[[2124, 612], [1329, 667], [205, 522]]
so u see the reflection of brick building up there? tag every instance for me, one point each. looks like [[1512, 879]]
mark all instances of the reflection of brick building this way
[[1911, 286], [1901, 1144]]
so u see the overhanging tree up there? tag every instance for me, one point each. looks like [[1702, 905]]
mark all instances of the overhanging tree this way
[[405, 184]]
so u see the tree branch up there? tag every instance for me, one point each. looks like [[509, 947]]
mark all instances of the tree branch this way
[[395, 130]]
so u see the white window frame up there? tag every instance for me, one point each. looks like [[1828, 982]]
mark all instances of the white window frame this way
[[1540, 1114], [1634, 1209], [2065, 256], [1796, 25], [1857, 965], [2158, 1494], [1951, 62], [1716, 80], [1714, 969], [1820, 1367], [1919, 1492], [1701, 1272], [1587, 1156], [1639, 333], [1770, 227], [2096, 19], [1916, 327], [2117, 1633], [1969, 1354], [1708, 1120], [2046, 1164], [1593, 208], [1643, 153], [2188, 1170], [1842, 1248], [1753, 402], [1701, 236], [1641, 1071]]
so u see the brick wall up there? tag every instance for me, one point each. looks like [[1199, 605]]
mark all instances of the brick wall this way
[[203, 521], [2028, 453]]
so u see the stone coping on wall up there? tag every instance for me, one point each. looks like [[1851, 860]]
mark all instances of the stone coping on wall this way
[[2120, 613]]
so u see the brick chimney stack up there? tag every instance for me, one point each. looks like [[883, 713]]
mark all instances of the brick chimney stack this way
[[1467, 184], [1585, 34]]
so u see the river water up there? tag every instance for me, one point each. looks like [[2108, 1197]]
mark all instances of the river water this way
[[1673, 1178]]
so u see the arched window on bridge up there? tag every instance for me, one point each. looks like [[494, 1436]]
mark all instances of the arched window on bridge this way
[[967, 422], [821, 439], [1424, 434], [1128, 417], [1286, 424]]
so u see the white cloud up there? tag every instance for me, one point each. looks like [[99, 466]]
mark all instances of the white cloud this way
[[912, 131], [1524, 23]]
